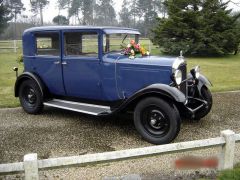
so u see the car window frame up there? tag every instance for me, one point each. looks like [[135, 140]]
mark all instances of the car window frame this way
[[81, 57], [47, 55]]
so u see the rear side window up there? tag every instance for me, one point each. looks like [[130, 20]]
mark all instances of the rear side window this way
[[47, 44], [81, 44]]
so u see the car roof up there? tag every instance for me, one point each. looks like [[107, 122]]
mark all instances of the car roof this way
[[105, 29]]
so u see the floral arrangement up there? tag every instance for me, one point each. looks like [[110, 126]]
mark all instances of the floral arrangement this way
[[135, 50]]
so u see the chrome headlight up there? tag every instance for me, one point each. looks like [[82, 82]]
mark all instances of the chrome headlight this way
[[178, 77], [197, 71]]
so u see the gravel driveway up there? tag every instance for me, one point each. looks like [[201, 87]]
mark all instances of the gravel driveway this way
[[57, 133]]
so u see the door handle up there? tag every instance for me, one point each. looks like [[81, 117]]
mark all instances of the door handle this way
[[56, 62], [64, 63]]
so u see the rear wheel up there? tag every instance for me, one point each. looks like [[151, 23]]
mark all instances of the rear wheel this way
[[30, 97], [157, 121]]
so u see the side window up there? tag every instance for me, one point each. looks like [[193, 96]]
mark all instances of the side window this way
[[81, 44], [47, 44]]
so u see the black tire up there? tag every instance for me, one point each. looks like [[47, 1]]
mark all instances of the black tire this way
[[207, 96], [30, 97], [157, 121]]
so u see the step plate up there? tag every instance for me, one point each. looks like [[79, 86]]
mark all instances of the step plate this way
[[92, 109]]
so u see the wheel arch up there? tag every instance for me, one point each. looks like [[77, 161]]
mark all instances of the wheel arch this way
[[29, 75], [162, 91]]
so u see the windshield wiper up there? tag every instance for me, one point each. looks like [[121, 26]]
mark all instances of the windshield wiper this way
[[124, 38]]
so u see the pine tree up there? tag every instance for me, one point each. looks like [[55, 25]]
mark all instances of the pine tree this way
[[147, 10], [105, 13], [125, 15], [198, 27], [5, 16]]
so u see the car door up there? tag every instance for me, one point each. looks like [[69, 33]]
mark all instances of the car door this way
[[81, 64], [47, 60]]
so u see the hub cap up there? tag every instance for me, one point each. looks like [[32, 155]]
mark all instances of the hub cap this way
[[29, 96], [155, 121]]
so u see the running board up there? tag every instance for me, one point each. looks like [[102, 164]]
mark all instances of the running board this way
[[92, 109]]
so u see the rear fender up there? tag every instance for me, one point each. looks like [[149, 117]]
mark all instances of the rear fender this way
[[28, 75]]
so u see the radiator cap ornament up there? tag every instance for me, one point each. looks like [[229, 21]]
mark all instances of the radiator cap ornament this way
[[181, 53]]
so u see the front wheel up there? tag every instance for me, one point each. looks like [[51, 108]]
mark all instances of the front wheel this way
[[207, 96], [30, 97], [157, 121]]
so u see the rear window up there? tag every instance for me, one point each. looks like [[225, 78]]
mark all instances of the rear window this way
[[47, 44]]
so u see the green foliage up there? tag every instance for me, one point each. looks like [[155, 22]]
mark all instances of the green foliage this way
[[232, 174], [106, 14], [5, 15], [82, 8], [38, 5], [198, 27], [125, 15], [20, 58], [16, 7], [60, 20]]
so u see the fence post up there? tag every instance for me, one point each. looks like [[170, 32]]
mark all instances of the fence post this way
[[14, 45], [31, 167], [227, 151]]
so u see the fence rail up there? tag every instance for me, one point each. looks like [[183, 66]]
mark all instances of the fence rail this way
[[31, 165], [14, 46]]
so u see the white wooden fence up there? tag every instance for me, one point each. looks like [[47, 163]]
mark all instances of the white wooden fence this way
[[11, 44], [31, 164]]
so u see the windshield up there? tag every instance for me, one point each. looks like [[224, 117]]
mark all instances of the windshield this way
[[117, 42]]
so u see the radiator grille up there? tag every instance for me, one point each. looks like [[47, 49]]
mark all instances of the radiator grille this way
[[183, 86]]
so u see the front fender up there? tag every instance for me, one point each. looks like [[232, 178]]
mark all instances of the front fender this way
[[203, 81], [162, 90], [28, 75]]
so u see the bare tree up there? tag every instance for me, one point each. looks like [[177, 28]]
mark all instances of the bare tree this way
[[37, 7]]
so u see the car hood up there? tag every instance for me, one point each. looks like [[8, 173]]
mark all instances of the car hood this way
[[145, 60]]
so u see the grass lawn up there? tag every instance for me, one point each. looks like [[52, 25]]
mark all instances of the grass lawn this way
[[223, 72], [231, 174], [7, 79]]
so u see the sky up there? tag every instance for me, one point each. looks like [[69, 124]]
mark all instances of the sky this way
[[51, 10]]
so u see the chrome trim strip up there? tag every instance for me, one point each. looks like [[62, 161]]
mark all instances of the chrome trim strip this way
[[71, 109], [83, 104]]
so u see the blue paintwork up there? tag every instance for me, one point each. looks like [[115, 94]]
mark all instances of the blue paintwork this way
[[107, 77]]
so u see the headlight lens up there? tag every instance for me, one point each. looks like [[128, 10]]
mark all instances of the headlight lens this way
[[178, 76], [197, 71]]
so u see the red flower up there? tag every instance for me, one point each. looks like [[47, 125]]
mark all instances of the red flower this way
[[136, 46]]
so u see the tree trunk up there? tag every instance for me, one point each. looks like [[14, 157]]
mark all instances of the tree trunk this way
[[236, 51], [41, 14]]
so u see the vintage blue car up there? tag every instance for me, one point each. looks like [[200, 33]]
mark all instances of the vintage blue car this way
[[83, 69]]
